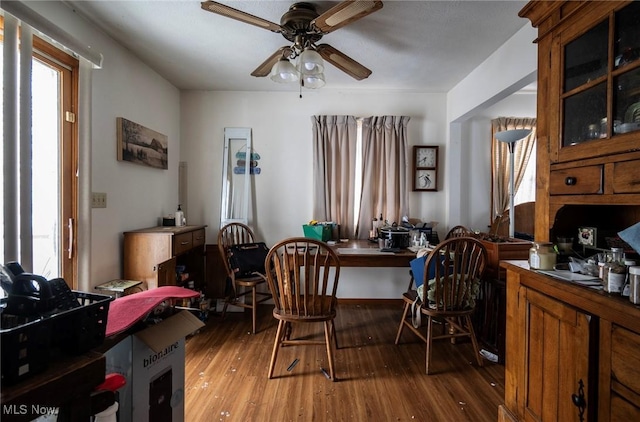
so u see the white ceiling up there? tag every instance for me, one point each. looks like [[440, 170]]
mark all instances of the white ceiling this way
[[417, 46]]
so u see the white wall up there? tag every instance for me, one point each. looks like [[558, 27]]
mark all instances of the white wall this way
[[489, 91], [136, 195], [282, 135]]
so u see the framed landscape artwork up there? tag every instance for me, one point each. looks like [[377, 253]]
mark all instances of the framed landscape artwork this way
[[141, 145]]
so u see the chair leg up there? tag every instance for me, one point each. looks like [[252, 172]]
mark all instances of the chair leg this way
[[472, 333], [334, 334], [254, 308], [276, 347], [452, 331], [327, 339], [429, 343], [224, 308], [287, 331], [401, 327]]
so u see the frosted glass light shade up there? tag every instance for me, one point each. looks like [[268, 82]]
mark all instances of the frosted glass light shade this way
[[511, 136], [314, 81], [310, 62], [283, 71]]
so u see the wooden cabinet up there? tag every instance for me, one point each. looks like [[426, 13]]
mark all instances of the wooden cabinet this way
[[547, 354], [159, 255], [556, 338], [619, 373], [588, 120], [568, 344]]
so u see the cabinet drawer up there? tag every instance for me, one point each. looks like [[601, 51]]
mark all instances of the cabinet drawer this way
[[198, 238], [182, 243], [626, 177], [625, 359], [576, 181]]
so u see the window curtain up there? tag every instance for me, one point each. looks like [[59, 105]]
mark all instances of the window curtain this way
[[384, 171], [500, 159], [334, 150]]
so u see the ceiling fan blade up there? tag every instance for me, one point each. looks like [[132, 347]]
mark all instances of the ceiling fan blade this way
[[230, 12], [265, 68], [344, 13], [343, 62]]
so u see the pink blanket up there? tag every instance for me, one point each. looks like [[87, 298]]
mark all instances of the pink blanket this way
[[125, 311]]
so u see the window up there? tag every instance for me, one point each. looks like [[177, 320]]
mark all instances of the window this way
[[360, 171], [54, 87], [526, 192], [524, 161]]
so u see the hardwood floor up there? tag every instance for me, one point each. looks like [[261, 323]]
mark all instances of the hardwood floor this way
[[226, 374]]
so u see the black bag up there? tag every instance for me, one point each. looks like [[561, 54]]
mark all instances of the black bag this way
[[247, 258]]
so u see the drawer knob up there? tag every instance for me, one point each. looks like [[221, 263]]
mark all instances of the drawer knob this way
[[570, 181]]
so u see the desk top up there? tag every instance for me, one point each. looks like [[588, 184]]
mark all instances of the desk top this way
[[363, 253]]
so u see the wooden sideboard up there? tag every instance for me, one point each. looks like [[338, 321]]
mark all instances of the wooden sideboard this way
[[489, 317], [568, 344], [152, 256]]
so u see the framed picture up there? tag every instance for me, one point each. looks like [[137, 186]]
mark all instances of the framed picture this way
[[141, 145], [587, 236], [425, 168]]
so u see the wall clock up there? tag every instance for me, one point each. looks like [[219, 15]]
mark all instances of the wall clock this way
[[425, 168]]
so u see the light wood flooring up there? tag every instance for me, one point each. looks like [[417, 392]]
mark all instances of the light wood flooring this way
[[226, 373]]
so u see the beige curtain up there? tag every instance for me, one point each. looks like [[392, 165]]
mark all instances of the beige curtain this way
[[384, 180], [334, 151], [500, 159]]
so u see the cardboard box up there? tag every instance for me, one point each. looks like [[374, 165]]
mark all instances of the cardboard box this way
[[152, 361]]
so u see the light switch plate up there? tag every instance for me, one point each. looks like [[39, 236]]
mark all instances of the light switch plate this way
[[98, 200]]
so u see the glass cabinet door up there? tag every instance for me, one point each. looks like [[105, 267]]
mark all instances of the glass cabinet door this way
[[585, 90], [601, 80], [626, 106]]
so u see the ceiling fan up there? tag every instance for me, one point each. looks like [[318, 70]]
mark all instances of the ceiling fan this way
[[304, 27]]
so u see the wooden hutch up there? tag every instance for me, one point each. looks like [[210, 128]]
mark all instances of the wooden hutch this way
[[572, 352]]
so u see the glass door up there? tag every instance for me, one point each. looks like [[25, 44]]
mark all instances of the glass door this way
[[53, 164]]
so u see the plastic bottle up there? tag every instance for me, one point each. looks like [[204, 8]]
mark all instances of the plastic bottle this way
[[542, 256], [180, 217]]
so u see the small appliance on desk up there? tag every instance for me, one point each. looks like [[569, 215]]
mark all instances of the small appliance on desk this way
[[394, 237]]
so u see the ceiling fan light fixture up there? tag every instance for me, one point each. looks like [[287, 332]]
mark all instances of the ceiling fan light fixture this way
[[313, 81], [283, 72], [310, 62]]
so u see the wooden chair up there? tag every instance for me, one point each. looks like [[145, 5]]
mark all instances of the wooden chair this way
[[458, 231], [458, 265], [236, 234], [303, 278]]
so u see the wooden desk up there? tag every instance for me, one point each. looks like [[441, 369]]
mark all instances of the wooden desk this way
[[363, 253], [67, 384]]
